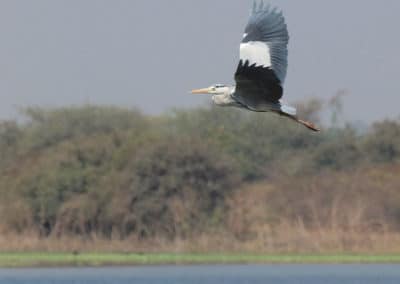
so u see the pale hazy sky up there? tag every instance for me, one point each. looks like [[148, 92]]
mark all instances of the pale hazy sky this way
[[149, 54]]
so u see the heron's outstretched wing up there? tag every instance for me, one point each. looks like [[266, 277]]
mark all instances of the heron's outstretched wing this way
[[263, 55]]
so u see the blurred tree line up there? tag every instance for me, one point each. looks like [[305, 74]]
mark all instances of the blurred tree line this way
[[118, 173]]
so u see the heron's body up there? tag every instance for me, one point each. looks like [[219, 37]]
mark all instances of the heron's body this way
[[233, 99], [262, 67]]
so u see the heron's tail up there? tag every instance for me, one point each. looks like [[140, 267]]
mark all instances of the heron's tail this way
[[288, 110]]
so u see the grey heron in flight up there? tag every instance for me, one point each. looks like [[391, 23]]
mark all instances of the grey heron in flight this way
[[262, 67]]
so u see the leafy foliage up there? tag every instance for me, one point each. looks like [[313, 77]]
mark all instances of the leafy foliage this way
[[118, 173]]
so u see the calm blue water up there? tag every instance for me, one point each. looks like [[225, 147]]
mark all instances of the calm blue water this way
[[240, 274]]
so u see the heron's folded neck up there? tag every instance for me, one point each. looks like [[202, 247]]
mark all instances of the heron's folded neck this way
[[222, 100], [225, 99]]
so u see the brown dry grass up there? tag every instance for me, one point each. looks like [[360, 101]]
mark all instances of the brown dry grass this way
[[286, 238]]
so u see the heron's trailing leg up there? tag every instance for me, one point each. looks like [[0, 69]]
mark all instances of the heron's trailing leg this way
[[307, 124]]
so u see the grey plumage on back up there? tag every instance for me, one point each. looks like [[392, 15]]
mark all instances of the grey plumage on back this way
[[267, 24]]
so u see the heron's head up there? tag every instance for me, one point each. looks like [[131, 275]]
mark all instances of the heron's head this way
[[217, 89]]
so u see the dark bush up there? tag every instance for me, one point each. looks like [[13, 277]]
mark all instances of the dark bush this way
[[382, 144], [173, 187]]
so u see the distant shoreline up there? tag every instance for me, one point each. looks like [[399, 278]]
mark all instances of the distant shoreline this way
[[32, 260]]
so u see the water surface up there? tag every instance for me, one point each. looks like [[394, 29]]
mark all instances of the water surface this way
[[215, 274]]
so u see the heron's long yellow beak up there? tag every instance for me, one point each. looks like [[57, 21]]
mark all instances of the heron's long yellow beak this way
[[201, 91]]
